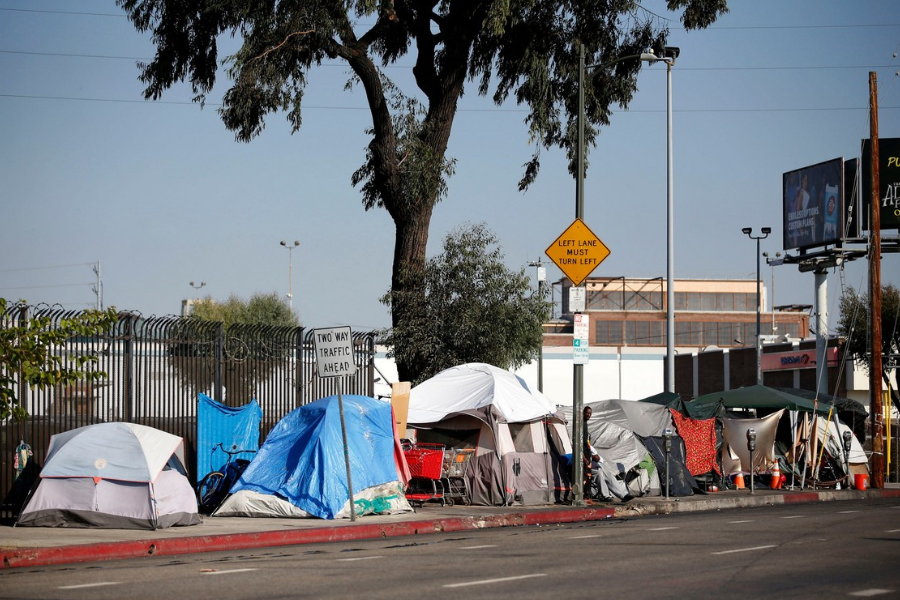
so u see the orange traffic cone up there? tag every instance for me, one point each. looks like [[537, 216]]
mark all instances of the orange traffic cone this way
[[739, 481], [776, 477]]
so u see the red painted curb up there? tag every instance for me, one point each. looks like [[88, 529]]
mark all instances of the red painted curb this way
[[32, 557], [800, 497]]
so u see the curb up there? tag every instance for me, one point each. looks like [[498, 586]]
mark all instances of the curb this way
[[33, 557], [749, 501]]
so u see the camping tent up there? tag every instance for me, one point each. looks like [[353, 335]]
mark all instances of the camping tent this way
[[754, 396], [625, 433], [300, 471], [113, 475], [515, 431]]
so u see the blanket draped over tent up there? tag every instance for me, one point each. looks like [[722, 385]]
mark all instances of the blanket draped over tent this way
[[699, 437], [235, 428], [300, 470]]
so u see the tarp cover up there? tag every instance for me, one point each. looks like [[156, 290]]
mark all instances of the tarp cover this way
[[735, 432], [235, 428], [302, 459]]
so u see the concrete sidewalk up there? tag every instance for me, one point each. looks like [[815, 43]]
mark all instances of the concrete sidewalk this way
[[38, 546]]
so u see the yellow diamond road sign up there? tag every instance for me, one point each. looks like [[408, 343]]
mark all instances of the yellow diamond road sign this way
[[577, 252]]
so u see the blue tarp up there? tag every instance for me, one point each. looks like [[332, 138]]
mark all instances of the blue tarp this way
[[302, 459], [234, 428]]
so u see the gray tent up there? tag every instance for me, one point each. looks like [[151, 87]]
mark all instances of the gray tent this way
[[617, 431], [114, 476]]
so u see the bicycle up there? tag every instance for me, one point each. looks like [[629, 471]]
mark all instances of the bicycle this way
[[213, 488]]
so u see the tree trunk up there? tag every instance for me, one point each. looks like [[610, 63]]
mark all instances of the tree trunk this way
[[408, 278]]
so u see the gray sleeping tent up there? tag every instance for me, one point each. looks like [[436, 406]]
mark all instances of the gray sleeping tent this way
[[114, 476]]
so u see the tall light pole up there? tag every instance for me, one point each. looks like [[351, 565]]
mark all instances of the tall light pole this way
[[197, 287], [670, 53], [290, 271], [773, 261], [748, 231], [578, 370], [541, 277]]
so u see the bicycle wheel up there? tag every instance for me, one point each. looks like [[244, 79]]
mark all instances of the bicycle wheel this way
[[209, 491]]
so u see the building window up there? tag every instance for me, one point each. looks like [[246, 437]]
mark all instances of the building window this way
[[608, 333]]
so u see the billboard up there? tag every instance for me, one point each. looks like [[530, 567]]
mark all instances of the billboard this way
[[888, 182], [813, 203]]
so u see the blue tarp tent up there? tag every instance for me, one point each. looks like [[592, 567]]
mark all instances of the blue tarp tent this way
[[302, 462], [234, 428]]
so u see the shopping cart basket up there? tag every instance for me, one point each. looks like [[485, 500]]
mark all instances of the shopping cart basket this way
[[425, 463], [456, 463]]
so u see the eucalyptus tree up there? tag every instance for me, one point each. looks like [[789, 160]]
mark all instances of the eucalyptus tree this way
[[526, 51]]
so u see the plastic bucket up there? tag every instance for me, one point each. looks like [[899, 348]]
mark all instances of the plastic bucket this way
[[861, 481]]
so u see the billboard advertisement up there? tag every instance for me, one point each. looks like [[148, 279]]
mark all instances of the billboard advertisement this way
[[888, 182], [813, 203]]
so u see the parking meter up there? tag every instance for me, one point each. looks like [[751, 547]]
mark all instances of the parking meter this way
[[848, 439], [751, 445], [667, 436]]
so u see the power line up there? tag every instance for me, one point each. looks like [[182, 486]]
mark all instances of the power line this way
[[463, 110], [40, 287], [714, 27], [45, 268], [395, 66]]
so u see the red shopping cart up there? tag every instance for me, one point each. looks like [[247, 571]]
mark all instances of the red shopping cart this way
[[426, 462]]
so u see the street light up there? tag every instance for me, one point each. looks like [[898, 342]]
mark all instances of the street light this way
[[578, 370], [290, 271], [670, 53], [197, 287], [773, 261], [748, 231]]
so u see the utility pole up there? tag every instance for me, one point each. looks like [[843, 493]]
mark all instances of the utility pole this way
[[876, 413], [541, 277]]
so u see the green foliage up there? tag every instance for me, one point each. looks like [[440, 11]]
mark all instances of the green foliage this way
[[474, 310], [854, 327], [261, 309], [27, 356]]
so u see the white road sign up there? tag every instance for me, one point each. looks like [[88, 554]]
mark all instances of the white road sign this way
[[334, 351]]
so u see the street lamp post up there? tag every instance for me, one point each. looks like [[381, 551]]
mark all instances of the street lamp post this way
[[670, 53], [773, 261], [748, 231], [578, 370], [290, 271]]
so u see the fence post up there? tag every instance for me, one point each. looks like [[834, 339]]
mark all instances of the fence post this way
[[128, 365], [220, 360]]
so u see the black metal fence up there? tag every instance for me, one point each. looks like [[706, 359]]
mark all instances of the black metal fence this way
[[157, 366]]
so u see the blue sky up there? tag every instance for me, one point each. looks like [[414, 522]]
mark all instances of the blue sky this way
[[162, 195]]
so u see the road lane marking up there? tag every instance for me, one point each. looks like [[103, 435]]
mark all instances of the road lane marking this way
[[357, 558], [847, 512], [88, 585], [582, 537], [215, 572], [478, 547], [745, 549], [661, 528], [793, 517], [871, 592], [745, 521], [498, 580], [893, 531]]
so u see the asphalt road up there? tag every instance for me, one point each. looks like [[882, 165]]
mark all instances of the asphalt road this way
[[824, 550]]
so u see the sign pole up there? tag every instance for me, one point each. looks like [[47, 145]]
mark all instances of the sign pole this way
[[334, 358], [346, 452]]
